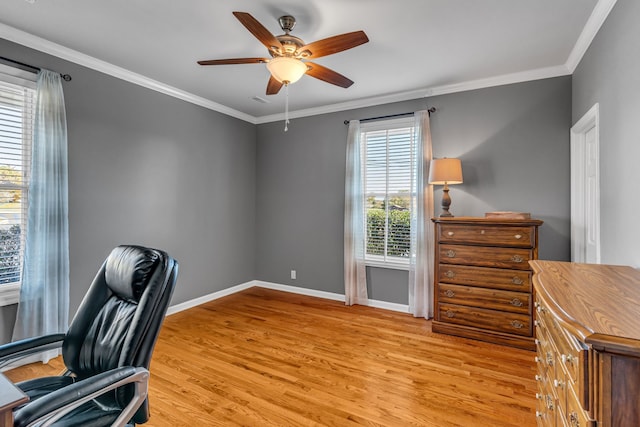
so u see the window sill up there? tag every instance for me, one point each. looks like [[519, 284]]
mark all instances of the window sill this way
[[390, 265], [9, 294]]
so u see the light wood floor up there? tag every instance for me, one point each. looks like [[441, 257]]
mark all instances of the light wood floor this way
[[267, 358]]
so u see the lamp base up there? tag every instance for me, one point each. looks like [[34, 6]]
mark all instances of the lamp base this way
[[446, 202]]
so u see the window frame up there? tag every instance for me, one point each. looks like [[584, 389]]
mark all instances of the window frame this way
[[10, 292], [386, 261]]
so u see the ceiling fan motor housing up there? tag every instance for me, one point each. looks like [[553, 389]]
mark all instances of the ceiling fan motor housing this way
[[290, 46]]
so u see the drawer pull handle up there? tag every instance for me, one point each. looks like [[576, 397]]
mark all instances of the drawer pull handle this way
[[481, 231], [517, 258], [518, 236], [517, 324], [549, 358], [517, 281], [449, 293], [450, 274], [516, 302], [451, 253], [549, 400], [450, 314], [567, 358], [558, 383], [573, 420], [450, 233]]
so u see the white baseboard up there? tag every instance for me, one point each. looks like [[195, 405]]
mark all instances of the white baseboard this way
[[210, 297], [298, 290], [403, 308]]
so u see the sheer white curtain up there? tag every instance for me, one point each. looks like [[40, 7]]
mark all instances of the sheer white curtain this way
[[44, 295], [355, 273], [422, 234]]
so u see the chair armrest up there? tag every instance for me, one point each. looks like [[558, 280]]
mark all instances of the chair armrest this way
[[17, 350], [60, 402]]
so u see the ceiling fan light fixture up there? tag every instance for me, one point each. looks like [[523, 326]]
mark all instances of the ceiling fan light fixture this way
[[286, 70]]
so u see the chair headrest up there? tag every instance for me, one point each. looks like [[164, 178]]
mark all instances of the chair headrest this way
[[128, 270]]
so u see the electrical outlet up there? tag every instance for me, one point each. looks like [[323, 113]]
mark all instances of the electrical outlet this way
[[293, 274]]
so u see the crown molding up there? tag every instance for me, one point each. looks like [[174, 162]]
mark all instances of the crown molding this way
[[591, 28], [29, 40], [524, 76], [595, 21]]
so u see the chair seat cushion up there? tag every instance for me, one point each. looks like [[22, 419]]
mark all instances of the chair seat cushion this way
[[91, 414], [39, 387]]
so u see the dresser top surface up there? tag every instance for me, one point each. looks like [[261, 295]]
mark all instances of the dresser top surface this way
[[600, 303], [484, 220]]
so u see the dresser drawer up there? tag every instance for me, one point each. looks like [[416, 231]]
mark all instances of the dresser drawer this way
[[545, 356], [495, 299], [499, 321], [510, 280], [546, 409], [572, 355], [574, 415], [512, 258], [488, 235]]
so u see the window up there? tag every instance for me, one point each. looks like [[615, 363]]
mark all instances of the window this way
[[388, 164], [17, 99]]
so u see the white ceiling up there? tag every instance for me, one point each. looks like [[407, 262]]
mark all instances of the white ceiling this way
[[416, 48]]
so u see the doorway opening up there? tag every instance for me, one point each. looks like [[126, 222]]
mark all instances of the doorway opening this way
[[585, 188]]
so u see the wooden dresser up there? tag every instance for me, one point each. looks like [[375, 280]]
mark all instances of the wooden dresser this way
[[482, 278], [588, 344]]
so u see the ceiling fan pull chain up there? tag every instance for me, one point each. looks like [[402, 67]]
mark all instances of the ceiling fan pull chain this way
[[286, 107]]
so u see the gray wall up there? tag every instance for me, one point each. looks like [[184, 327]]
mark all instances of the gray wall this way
[[609, 74], [149, 169], [514, 144], [7, 319], [235, 202]]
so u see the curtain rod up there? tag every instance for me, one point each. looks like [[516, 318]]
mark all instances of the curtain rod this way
[[31, 68], [390, 116]]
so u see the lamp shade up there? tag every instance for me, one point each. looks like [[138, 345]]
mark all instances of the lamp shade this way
[[445, 171], [286, 70]]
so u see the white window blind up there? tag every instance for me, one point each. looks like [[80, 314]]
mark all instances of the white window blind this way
[[389, 153], [16, 123]]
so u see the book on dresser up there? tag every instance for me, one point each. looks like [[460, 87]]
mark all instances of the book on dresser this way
[[483, 288]]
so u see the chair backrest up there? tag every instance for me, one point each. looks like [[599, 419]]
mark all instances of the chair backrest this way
[[118, 321]]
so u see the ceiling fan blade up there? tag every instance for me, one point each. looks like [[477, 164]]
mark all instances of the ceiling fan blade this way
[[258, 30], [335, 44], [327, 75], [273, 86], [233, 61]]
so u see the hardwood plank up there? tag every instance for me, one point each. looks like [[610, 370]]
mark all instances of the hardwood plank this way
[[267, 358]]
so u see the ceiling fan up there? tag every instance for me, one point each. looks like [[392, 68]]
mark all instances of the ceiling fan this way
[[290, 55]]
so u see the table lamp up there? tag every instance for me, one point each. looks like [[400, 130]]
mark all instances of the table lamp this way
[[444, 172]]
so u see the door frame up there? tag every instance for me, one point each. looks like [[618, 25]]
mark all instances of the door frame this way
[[579, 227]]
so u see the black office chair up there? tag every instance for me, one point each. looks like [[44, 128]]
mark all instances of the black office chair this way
[[107, 348]]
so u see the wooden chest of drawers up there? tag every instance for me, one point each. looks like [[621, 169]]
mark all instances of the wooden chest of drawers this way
[[483, 279], [588, 345]]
